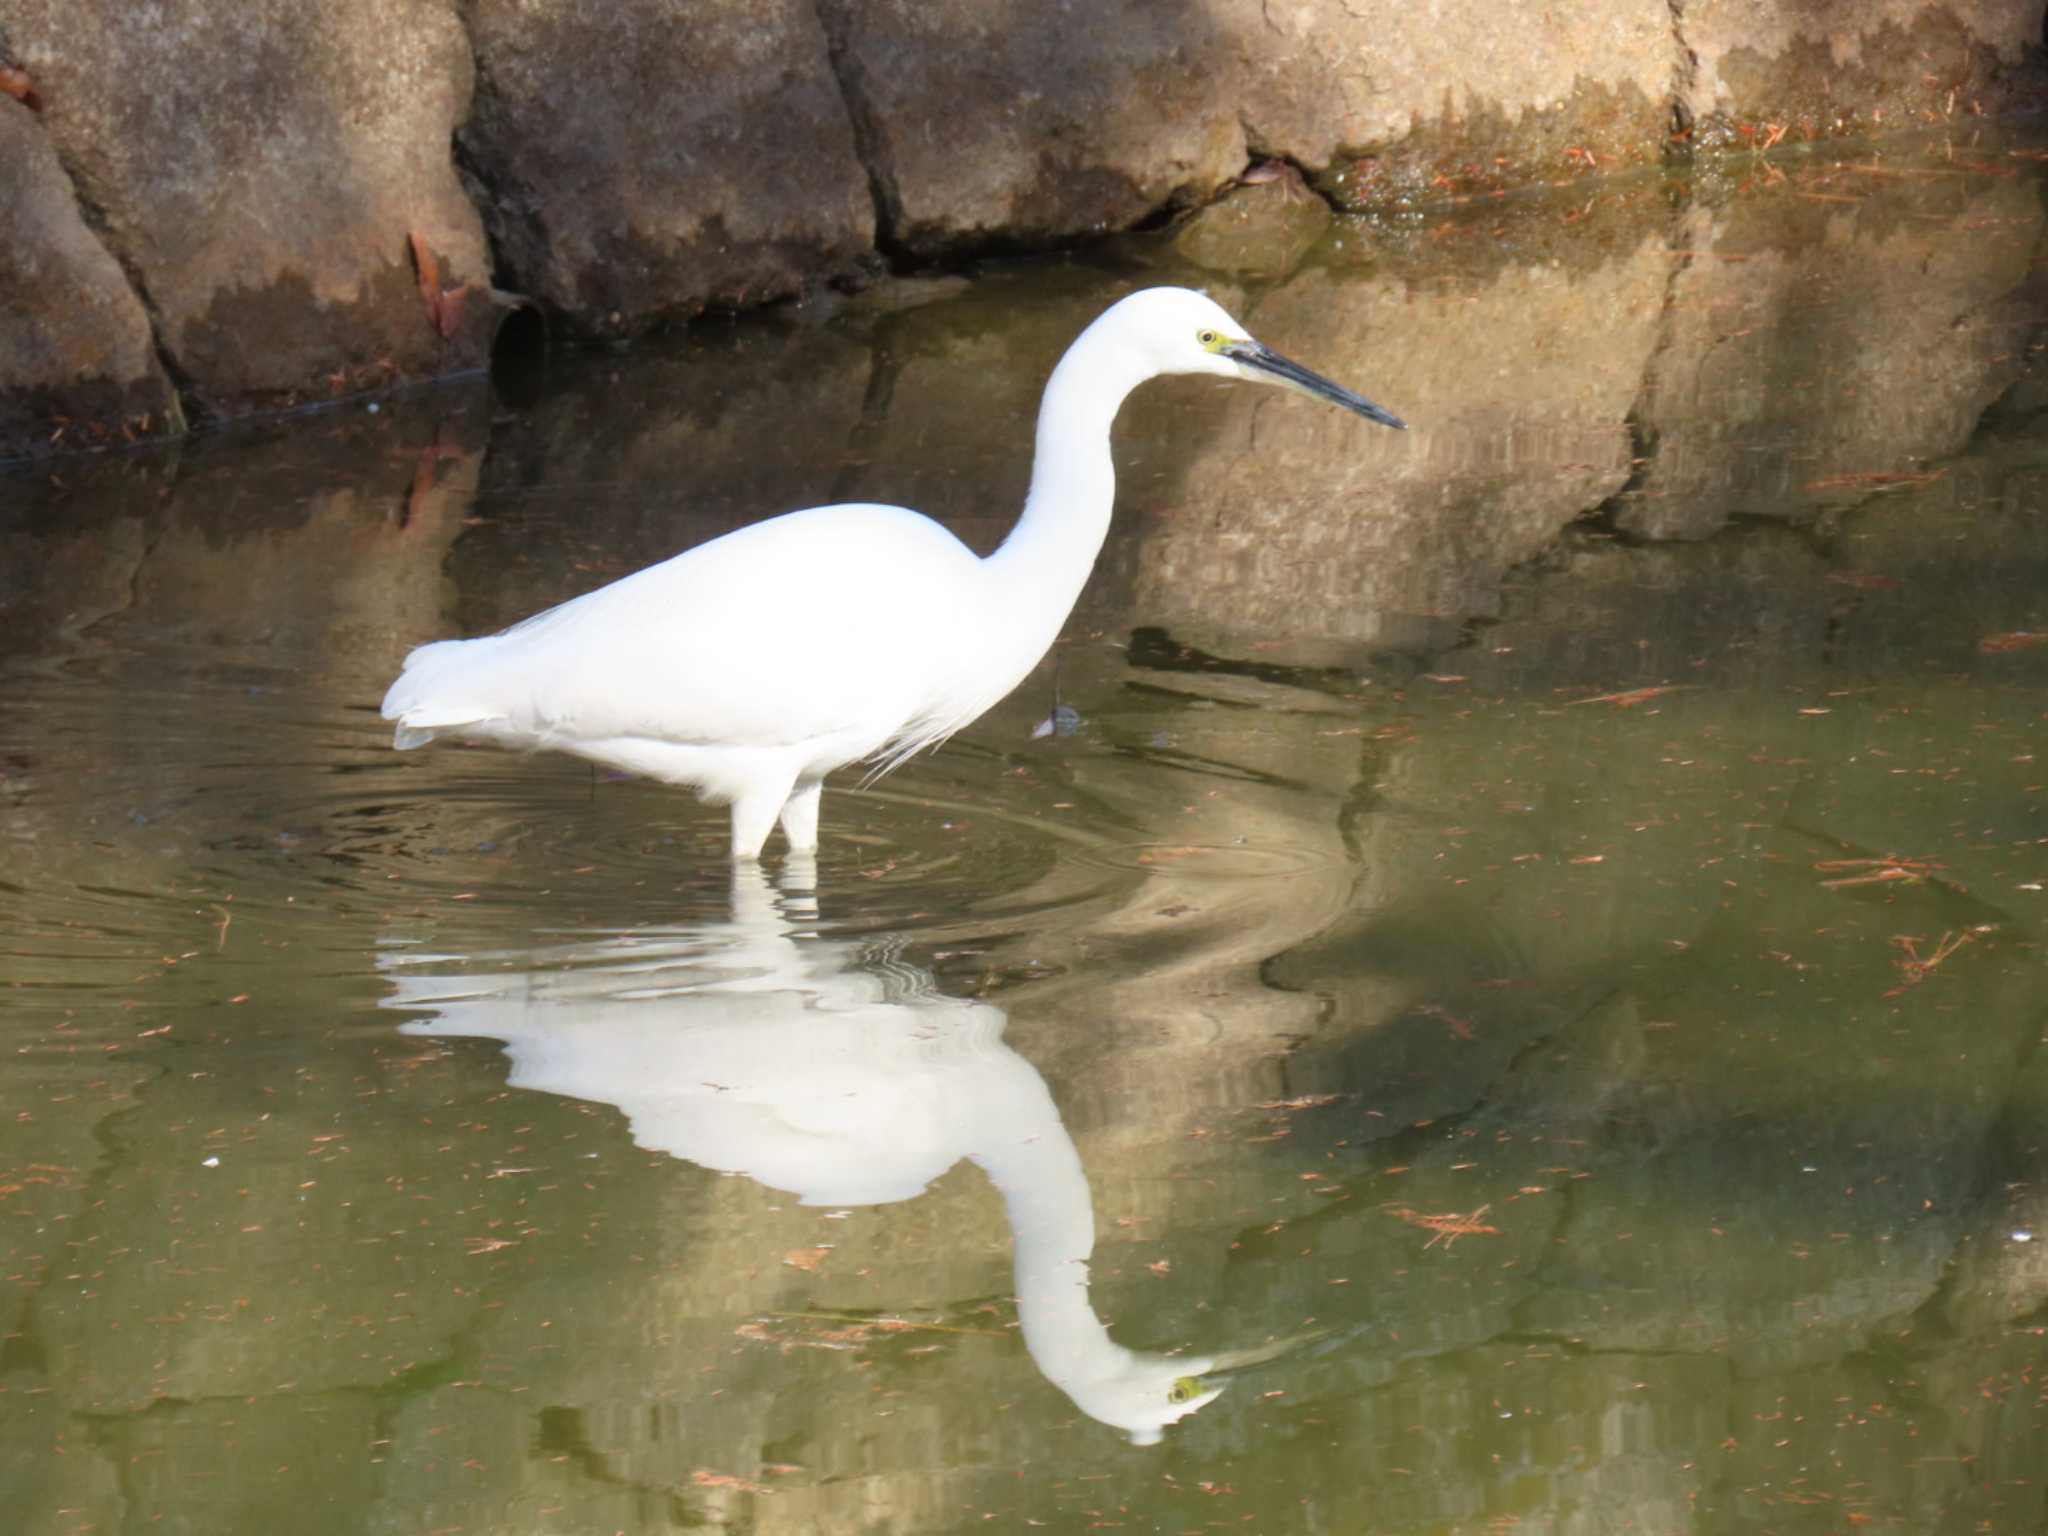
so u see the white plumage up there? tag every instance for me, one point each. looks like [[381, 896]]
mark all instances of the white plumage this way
[[752, 666]]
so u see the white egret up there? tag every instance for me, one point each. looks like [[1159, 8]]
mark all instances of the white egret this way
[[752, 666]]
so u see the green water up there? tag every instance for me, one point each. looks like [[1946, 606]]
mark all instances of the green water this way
[[1523, 972]]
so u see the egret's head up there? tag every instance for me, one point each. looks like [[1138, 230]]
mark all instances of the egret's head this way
[[1183, 331], [1141, 1393]]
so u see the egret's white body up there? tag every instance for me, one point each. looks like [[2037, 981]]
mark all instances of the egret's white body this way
[[752, 666]]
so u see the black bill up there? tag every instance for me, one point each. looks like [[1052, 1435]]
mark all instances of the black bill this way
[[1283, 370]]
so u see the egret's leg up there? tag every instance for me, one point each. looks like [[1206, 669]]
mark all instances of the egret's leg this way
[[800, 817], [753, 817]]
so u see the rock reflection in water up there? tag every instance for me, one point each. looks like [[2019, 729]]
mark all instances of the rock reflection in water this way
[[831, 1070]]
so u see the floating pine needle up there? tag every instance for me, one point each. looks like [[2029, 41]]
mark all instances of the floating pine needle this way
[[760, 1335], [1305, 1101], [1915, 969], [1961, 168], [1168, 855], [1462, 1028], [885, 1324], [1876, 871], [2012, 640], [1449, 1226], [1873, 480], [705, 1479], [1630, 699]]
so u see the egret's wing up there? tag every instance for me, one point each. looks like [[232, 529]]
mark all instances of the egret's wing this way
[[807, 625]]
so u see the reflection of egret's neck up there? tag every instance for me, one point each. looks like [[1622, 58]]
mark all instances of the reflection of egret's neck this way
[[1032, 1160]]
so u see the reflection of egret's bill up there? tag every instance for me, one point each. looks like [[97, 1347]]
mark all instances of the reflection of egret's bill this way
[[822, 1070]]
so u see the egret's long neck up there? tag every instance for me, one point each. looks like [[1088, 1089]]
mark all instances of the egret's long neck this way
[[1048, 555]]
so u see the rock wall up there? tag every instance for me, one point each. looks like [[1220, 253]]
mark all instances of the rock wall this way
[[214, 208], [75, 337], [274, 180], [1757, 71], [631, 166]]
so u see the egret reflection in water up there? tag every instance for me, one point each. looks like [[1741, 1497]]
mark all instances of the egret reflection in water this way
[[827, 1069]]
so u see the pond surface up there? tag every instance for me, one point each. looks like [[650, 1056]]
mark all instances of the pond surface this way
[[1510, 998]]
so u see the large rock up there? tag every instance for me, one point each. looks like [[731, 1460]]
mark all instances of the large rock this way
[[264, 171], [1260, 230], [641, 160], [1387, 101], [1034, 124], [1752, 70], [76, 363], [981, 128]]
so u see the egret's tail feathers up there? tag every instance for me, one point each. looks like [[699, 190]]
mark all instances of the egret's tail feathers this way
[[428, 716], [420, 725], [413, 733], [420, 700]]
